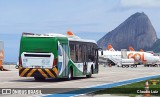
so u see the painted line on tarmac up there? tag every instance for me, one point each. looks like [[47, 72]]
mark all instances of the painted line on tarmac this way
[[100, 87]]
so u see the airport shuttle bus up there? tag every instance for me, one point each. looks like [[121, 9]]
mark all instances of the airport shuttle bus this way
[[57, 56]]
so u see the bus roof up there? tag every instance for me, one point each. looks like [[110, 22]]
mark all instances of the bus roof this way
[[81, 40], [42, 35], [70, 38]]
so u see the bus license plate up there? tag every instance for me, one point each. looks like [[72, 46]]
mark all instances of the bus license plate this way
[[37, 66]]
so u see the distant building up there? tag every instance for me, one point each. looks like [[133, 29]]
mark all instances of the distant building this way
[[1, 45]]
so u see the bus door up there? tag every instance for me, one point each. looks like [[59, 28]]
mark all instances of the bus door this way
[[65, 59], [84, 58], [63, 68]]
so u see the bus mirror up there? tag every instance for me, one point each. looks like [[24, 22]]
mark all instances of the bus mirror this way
[[101, 52]]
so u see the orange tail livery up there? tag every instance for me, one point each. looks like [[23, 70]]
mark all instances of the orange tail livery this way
[[110, 48], [141, 50], [131, 48]]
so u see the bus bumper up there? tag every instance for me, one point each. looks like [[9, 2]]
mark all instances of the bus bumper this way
[[38, 72]]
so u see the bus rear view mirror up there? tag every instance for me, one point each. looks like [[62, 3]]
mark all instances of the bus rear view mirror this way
[[101, 52]]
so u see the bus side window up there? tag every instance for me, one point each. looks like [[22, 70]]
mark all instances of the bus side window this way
[[77, 52], [59, 51], [93, 53], [72, 52], [89, 53], [80, 54]]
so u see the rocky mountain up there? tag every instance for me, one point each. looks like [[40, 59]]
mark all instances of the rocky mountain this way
[[156, 47], [137, 31]]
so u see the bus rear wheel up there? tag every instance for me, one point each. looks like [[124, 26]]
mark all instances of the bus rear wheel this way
[[70, 75], [89, 75], [39, 78]]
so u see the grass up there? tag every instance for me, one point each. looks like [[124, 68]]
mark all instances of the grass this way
[[131, 89]]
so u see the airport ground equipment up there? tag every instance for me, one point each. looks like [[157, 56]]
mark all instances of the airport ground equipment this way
[[150, 65], [154, 64], [125, 61], [120, 60], [57, 56], [1, 56]]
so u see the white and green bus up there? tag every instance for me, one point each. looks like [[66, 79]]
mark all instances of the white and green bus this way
[[57, 56]]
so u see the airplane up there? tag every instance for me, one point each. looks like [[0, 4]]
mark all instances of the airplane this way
[[140, 57]]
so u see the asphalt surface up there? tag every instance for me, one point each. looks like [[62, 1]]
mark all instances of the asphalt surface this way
[[11, 79]]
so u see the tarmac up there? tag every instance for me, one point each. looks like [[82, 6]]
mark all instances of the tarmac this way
[[11, 79]]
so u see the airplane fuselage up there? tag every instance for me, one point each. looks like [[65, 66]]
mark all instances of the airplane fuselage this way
[[139, 57]]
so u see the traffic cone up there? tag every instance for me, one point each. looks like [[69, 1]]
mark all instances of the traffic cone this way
[[147, 94], [154, 82]]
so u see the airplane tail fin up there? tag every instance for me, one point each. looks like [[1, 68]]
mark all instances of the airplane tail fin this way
[[131, 48], [69, 33], [141, 50], [110, 48]]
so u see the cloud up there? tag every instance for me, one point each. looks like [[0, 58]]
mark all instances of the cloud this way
[[140, 3]]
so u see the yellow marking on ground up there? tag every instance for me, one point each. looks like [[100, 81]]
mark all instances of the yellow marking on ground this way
[[50, 73], [24, 71], [31, 72], [44, 75]]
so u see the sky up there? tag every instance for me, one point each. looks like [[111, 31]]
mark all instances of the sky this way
[[89, 19]]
